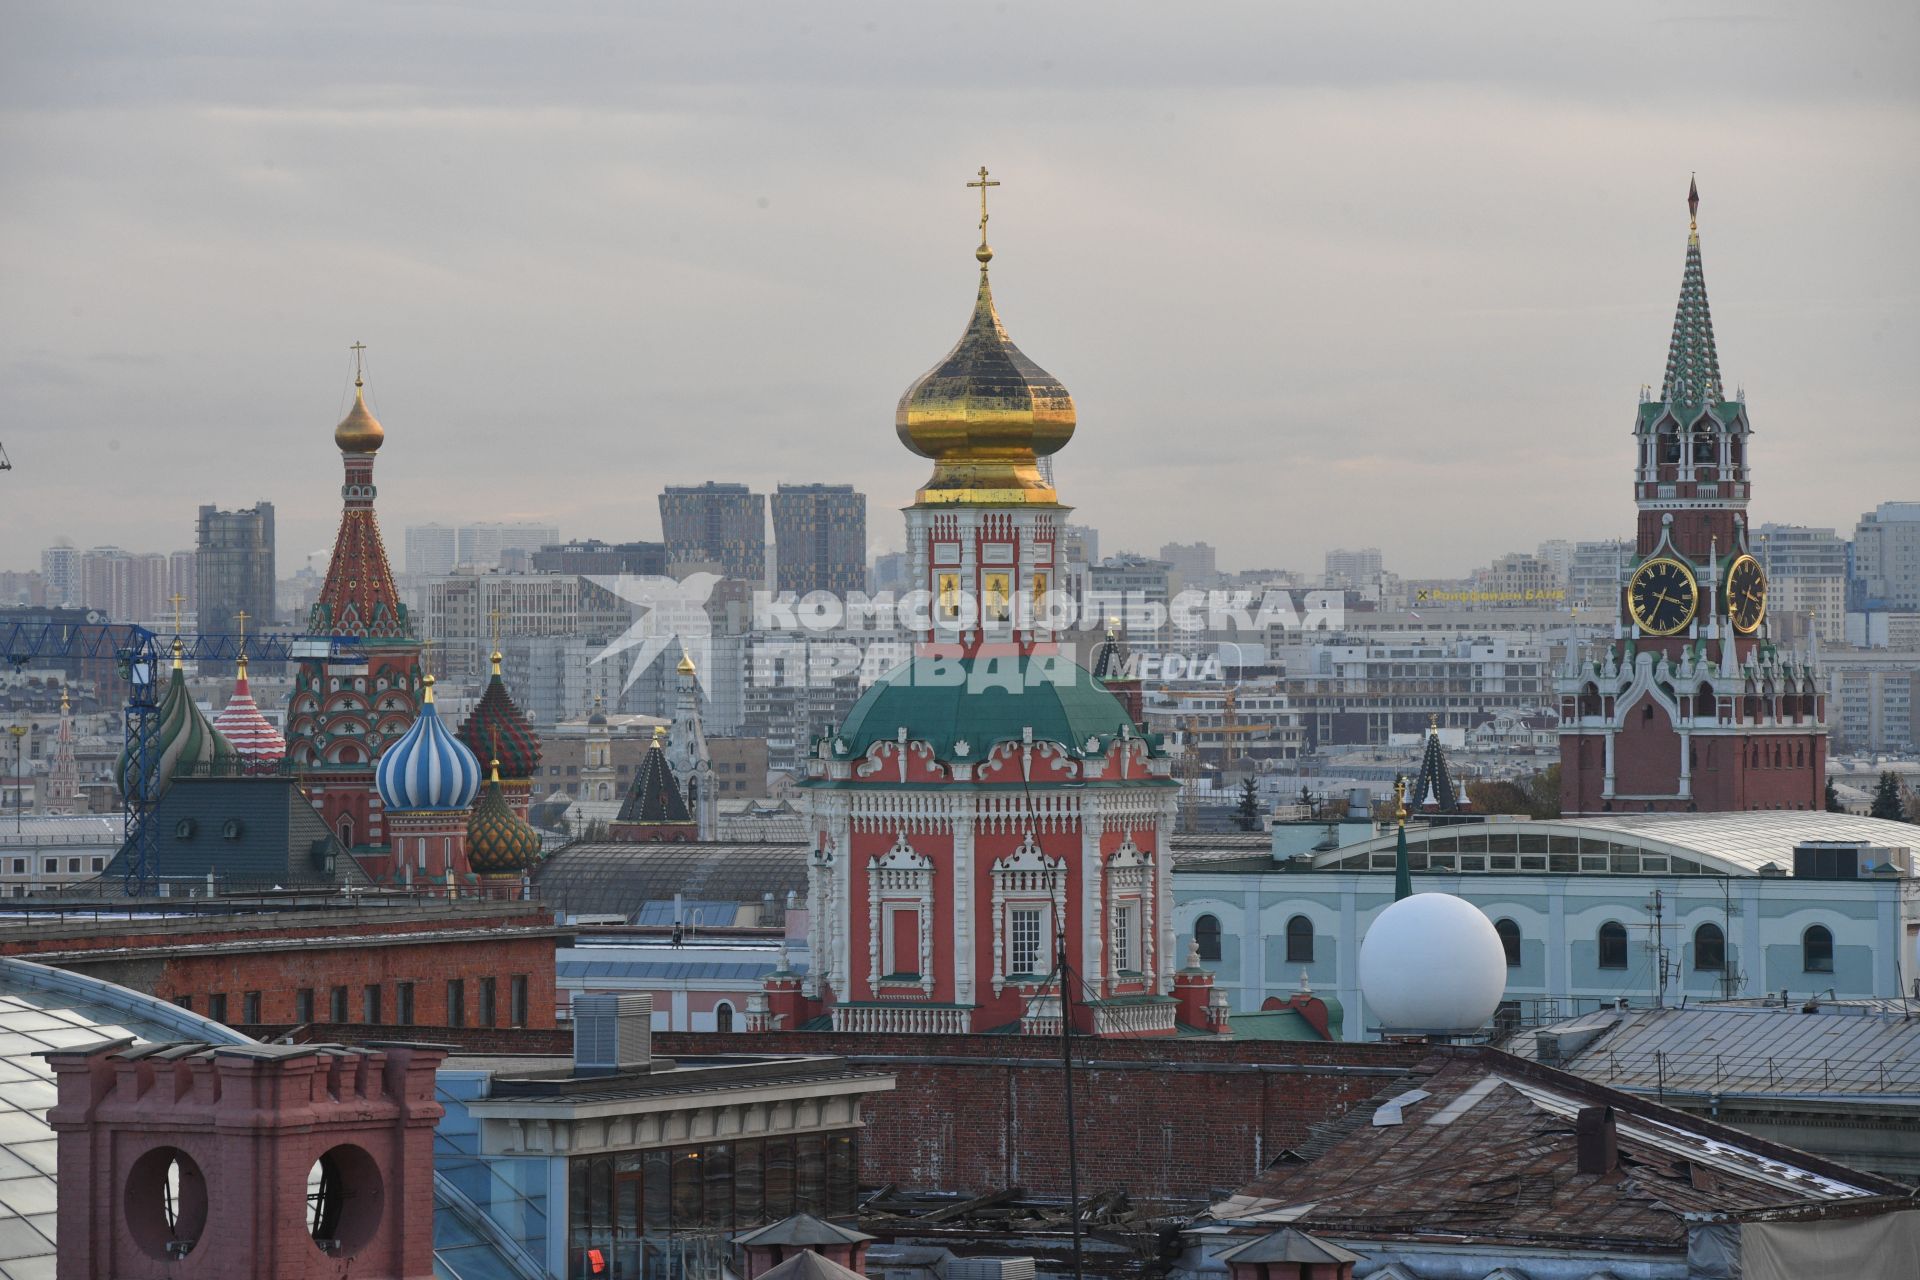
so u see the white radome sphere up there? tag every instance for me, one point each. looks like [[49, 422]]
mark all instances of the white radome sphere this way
[[1432, 963]]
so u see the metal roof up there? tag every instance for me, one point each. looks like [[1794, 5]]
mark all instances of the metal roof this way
[[1724, 843], [1742, 1048], [609, 878], [97, 830]]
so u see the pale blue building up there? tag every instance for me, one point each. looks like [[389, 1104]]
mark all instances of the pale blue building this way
[[1591, 910]]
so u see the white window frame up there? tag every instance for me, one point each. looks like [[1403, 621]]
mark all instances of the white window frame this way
[[901, 879], [1026, 878], [1130, 887]]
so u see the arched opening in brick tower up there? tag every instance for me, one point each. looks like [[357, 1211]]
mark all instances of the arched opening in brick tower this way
[[344, 1199], [166, 1203]]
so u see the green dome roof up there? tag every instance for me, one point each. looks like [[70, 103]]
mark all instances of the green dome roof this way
[[951, 703]]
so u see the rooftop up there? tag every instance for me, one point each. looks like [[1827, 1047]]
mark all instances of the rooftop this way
[[1745, 1048], [1480, 1147], [609, 878]]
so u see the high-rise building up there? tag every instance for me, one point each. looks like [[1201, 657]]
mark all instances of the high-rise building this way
[[234, 558], [126, 586], [1693, 707], [1558, 555], [1517, 579], [1596, 570], [1806, 576], [1195, 564], [431, 549], [820, 538], [439, 548], [1353, 568], [1886, 557], [482, 546], [591, 556], [183, 580], [722, 527], [60, 567]]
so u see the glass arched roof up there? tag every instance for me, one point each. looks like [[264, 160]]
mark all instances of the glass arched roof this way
[[606, 878]]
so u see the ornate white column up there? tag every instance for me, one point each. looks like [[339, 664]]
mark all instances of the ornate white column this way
[[962, 818], [1163, 881], [1093, 936]]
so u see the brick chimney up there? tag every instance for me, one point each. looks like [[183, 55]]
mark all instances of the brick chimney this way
[[300, 1162], [1596, 1140]]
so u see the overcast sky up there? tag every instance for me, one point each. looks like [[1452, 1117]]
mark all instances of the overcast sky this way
[[1316, 274]]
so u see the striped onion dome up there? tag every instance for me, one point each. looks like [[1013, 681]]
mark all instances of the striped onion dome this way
[[428, 768], [498, 729], [184, 740], [251, 733], [499, 841]]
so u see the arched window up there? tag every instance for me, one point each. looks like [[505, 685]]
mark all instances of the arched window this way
[[1709, 948], [1206, 935], [1816, 949], [346, 830], [1299, 940], [1509, 941], [1613, 945], [723, 1016]]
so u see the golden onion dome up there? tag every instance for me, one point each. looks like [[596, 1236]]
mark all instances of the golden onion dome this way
[[986, 415], [359, 431]]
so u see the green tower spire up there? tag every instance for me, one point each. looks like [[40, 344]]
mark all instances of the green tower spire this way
[[1693, 365]]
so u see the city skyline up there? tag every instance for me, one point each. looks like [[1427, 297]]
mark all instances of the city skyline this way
[[1387, 285]]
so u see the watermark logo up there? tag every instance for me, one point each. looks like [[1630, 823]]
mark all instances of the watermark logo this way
[[820, 637], [673, 618]]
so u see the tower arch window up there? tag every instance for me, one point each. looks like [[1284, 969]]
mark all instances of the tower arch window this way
[[1299, 940], [1613, 945], [1206, 937], [1709, 949], [723, 1017], [1816, 949], [1509, 933]]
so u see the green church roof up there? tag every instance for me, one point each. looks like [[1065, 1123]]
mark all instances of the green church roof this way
[[963, 707]]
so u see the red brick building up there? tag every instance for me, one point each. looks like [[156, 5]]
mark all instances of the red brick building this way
[[478, 964]]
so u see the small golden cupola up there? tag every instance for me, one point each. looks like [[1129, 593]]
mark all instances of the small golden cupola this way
[[985, 414], [359, 431]]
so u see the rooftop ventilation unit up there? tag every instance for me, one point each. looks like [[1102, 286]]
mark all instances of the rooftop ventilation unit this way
[[612, 1033], [990, 1269]]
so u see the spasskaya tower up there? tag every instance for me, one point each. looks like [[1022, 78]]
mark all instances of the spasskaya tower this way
[[1691, 706]]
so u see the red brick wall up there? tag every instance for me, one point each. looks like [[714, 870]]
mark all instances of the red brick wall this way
[[277, 975], [1163, 1120]]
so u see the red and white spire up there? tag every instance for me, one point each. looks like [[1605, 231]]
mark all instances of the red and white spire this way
[[252, 734]]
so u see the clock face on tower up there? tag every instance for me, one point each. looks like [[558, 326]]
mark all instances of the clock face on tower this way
[[1746, 595], [1662, 596]]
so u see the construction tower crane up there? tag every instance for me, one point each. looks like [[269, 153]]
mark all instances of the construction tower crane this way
[[136, 653]]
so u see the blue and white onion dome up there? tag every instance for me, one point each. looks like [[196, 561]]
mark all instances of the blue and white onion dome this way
[[428, 768]]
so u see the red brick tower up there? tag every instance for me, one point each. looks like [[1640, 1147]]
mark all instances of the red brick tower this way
[[292, 1161], [991, 805], [346, 707], [1691, 707]]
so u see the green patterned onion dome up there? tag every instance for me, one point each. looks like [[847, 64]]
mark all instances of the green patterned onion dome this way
[[497, 728], [499, 842], [184, 740]]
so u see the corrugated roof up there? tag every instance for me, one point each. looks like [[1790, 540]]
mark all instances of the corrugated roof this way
[[1742, 1049]]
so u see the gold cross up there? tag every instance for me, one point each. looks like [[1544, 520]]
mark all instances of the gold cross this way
[[983, 184], [357, 348], [241, 618], [494, 616], [177, 600]]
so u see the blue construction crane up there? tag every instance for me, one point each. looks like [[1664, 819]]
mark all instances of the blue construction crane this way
[[136, 654]]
